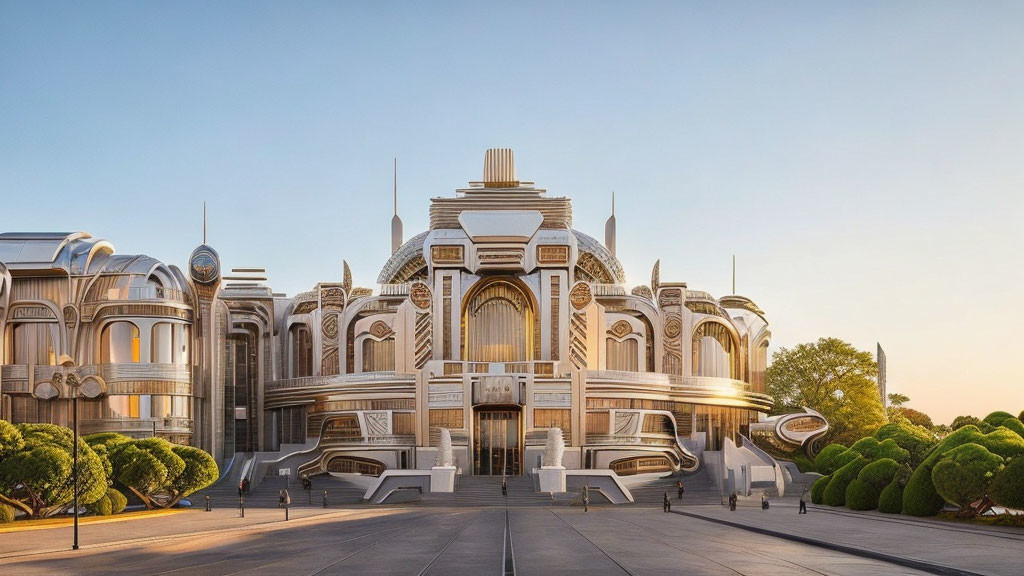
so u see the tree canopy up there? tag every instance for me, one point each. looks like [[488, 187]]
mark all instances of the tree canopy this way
[[832, 377]]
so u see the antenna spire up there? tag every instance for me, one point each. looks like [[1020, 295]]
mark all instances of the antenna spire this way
[[734, 274], [396, 222], [396, 185], [613, 202], [204, 221]]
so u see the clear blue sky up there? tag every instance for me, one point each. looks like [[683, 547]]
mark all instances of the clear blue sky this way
[[864, 160]]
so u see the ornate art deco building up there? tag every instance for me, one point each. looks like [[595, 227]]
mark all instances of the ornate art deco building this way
[[498, 322]]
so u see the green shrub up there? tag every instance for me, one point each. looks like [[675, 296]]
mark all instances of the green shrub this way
[[890, 500], [1013, 424], [11, 440], [117, 501], [818, 489], [914, 439], [996, 418], [1021, 416], [920, 497], [835, 492], [861, 496], [964, 473], [823, 461], [101, 507], [803, 463], [879, 473], [6, 514], [1007, 489]]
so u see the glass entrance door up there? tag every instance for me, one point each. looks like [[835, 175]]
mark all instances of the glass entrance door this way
[[496, 446]]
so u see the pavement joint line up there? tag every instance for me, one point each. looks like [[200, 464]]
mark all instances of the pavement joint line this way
[[898, 560], [268, 526]]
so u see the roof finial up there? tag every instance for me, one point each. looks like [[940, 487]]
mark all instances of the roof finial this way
[[609, 229], [396, 222], [204, 221], [734, 274]]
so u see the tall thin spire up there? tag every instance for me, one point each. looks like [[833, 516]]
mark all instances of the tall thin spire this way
[[609, 229], [733, 273], [396, 222], [204, 221]]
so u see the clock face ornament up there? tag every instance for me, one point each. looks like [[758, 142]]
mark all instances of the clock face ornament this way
[[204, 266]]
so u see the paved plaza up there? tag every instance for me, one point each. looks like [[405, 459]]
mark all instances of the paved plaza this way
[[525, 540]]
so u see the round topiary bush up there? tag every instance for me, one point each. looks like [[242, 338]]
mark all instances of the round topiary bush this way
[[100, 507], [914, 439], [823, 462], [1007, 489], [861, 496], [818, 489], [996, 418], [117, 501], [879, 473], [835, 492], [1013, 424], [964, 473], [890, 500], [6, 514]]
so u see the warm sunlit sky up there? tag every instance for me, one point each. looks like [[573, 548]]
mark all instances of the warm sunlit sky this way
[[864, 161]]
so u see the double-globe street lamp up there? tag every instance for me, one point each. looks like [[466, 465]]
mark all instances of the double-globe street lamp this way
[[69, 374]]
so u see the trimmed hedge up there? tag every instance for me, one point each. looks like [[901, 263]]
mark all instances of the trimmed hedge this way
[[823, 462], [117, 501], [996, 418], [915, 439], [861, 496], [1013, 424], [100, 507], [964, 473], [920, 498], [835, 492], [818, 489], [6, 514], [1007, 489], [871, 448], [879, 473], [890, 501]]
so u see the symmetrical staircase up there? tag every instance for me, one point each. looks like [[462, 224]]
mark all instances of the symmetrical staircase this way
[[699, 487]]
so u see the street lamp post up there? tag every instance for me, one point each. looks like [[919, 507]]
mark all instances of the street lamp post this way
[[67, 364]]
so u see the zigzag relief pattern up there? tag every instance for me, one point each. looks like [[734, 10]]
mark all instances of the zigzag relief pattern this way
[[578, 340], [424, 338]]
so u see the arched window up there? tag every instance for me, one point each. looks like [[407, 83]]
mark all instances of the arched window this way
[[379, 355], [498, 322], [714, 352], [623, 355], [161, 343], [31, 343], [119, 343], [302, 351]]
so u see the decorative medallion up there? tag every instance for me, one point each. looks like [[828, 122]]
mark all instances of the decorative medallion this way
[[621, 329], [673, 327], [204, 265], [379, 329], [419, 293], [332, 298], [580, 296], [669, 298], [330, 326]]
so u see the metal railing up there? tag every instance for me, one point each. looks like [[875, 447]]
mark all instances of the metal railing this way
[[338, 379]]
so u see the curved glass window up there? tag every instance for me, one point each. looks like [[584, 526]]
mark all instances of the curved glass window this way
[[714, 353], [498, 323], [31, 344], [119, 343], [161, 344], [302, 351]]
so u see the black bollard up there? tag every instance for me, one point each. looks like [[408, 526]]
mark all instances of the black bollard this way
[[207, 503], [325, 498], [241, 506]]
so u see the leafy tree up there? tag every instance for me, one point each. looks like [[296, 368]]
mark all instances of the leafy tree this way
[[964, 473], [912, 416], [961, 421], [158, 472], [38, 478], [996, 418], [11, 440], [896, 399], [1007, 489], [832, 377]]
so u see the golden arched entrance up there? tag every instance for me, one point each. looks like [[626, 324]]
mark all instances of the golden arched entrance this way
[[499, 322]]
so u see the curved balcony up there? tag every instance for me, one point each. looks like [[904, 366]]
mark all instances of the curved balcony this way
[[140, 293], [310, 389], [125, 378], [699, 389]]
